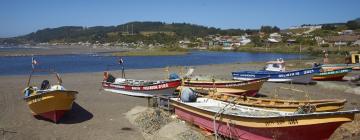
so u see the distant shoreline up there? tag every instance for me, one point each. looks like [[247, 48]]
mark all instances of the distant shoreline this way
[[57, 50], [110, 50]]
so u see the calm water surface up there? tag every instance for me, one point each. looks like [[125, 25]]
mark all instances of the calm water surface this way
[[20, 65]]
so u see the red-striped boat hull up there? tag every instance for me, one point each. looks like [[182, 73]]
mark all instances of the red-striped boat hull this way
[[334, 75], [54, 116], [306, 132], [332, 78], [166, 88]]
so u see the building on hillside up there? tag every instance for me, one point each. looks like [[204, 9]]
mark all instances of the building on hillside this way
[[356, 43], [291, 41], [341, 40], [320, 40], [346, 32], [274, 38], [227, 42], [306, 26], [244, 40], [184, 43]]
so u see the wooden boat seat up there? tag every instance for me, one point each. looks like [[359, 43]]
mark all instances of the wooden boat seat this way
[[272, 103], [258, 102]]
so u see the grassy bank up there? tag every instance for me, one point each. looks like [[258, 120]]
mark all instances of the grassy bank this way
[[148, 53], [292, 49], [163, 51]]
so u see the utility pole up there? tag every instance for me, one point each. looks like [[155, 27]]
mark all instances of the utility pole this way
[[300, 52], [127, 28], [132, 29]]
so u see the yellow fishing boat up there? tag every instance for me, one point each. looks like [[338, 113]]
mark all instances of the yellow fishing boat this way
[[324, 105], [49, 101], [205, 90], [251, 86]]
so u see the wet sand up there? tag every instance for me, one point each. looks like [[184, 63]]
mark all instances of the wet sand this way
[[100, 115]]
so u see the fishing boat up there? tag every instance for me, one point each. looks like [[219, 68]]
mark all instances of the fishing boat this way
[[206, 91], [324, 105], [226, 95], [49, 101], [242, 122], [330, 67], [332, 75], [275, 71], [251, 87], [140, 88]]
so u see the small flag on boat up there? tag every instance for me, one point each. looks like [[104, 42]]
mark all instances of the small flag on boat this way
[[121, 61], [33, 62]]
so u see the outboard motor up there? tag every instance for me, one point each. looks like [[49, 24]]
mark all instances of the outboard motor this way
[[45, 85], [188, 95], [315, 65], [174, 76], [110, 78]]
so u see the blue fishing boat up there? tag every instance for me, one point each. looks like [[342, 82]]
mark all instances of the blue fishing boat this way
[[275, 71]]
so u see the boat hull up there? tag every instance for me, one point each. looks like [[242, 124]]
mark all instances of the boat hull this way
[[334, 75], [167, 88], [300, 76], [251, 87], [330, 67], [54, 116], [295, 79], [51, 105], [168, 91], [293, 126], [326, 105], [307, 132]]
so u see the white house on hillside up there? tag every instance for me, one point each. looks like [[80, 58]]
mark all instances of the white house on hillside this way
[[274, 38]]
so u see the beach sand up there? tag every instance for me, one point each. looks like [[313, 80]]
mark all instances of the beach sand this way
[[100, 115]]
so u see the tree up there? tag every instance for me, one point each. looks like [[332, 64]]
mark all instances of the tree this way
[[266, 29], [269, 29], [328, 27], [352, 25], [256, 40], [275, 29]]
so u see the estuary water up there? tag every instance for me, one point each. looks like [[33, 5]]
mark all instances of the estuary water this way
[[21, 65]]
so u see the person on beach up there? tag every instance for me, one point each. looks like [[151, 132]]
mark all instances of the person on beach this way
[[347, 58], [326, 59]]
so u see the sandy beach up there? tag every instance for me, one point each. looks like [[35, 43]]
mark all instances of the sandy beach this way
[[100, 115]]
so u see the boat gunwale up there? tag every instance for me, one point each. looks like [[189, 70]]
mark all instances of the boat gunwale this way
[[290, 105], [165, 82], [325, 73], [50, 92], [230, 82], [268, 73], [285, 115]]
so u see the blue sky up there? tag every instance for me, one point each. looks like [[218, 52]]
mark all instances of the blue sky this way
[[18, 17]]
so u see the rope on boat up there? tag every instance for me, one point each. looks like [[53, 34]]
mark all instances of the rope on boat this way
[[229, 127], [218, 114], [306, 109]]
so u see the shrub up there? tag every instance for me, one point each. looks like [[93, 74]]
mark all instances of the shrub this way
[[325, 45]]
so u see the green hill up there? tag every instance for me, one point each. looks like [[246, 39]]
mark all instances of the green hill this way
[[148, 32]]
